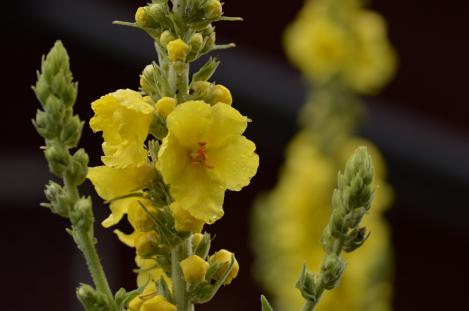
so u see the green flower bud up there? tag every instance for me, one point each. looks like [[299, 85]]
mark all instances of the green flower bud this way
[[213, 9], [71, 132], [157, 12], [78, 166], [166, 37], [57, 158], [90, 299], [332, 270], [54, 107], [58, 198], [82, 214], [196, 43], [43, 126]]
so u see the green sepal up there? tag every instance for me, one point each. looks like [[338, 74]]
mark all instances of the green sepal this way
[[306, 284], [206, 71], [265, 304]]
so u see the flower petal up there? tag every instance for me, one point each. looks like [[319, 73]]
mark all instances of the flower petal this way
[[235, 164], [226, 122], [189, 121], [198, 194]]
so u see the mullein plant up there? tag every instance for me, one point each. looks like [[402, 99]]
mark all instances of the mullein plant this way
[[343, 52], [171, 149]]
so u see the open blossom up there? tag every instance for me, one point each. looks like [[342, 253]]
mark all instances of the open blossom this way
[[124, 117], [205, 154], [111, 183]]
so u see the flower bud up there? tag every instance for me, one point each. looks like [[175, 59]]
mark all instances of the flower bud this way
[[196, 42], [223, 257], [71, 132], [90, 299], [145, 243], [177, 50], [201, 89], [58, 158], [58, 198], [184, 221], [78, 166], [194, 269], [220, 94], [196, 239], [166, 37], [82, 214], [157, 303], [157, 12], [165, 105], [141, 17], [213, 9]]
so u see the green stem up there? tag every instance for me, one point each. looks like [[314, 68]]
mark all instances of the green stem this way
[[178, 78], [84, 237], [319, 290], [181, 296]]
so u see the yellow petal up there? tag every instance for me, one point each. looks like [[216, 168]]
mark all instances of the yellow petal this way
[[172, 159], [189, 121], [115, 182], [200, 195], [235, 164], [226, 123], [124, 118], [127, 239]]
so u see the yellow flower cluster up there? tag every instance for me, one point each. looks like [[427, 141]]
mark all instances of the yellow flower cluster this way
[[291, 219], [202, 155], [341, 40]]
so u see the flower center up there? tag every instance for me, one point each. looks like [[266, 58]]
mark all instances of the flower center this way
[[199, 156]]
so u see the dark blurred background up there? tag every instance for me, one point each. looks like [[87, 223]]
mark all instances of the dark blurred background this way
[[420, 122]]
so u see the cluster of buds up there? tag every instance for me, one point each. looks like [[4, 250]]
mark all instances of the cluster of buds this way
[[350, 202]]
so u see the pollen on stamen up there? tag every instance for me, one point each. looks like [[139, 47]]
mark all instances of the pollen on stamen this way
[[199, 157]]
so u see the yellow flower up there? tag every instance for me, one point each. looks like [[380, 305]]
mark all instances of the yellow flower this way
[[177, 50], [124, 118], [149, 272], [184, 221], [165, 105], [148, 293], [111, 183], [205, 154], [317, 45], [157, 303], [350, 44], [224, 257], [374, 62], [194, 269]]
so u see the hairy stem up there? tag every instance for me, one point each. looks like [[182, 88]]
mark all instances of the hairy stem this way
[[84, 237], [181, 296]]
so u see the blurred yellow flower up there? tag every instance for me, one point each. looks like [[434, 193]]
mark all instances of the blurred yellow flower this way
[[177, 50], [111, 183], [344, 42], [124, 117], [205, 154]]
